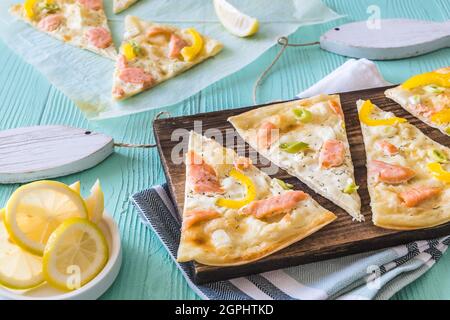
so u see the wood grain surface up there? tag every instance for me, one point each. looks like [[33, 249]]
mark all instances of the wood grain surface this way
[[367, 39], [44, 152], [148, 272], [342, 237]]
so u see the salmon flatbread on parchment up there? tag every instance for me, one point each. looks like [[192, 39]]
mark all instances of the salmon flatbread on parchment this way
[[81, 23], [234, 213], [307, 138], [152, 53], [408, 173]]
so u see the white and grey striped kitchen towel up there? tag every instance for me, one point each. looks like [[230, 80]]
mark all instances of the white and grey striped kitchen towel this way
[[373, 275]]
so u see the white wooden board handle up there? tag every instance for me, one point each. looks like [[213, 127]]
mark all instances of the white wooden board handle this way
[[391, 39], [43, 152]]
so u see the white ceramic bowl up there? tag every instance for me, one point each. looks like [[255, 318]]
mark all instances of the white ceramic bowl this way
[[92, 290]]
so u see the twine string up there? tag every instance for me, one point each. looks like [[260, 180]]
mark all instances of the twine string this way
[[142, 146], [284, 43]]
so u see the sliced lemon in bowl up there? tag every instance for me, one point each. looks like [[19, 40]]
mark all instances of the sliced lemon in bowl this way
[[36, 209], [75, 253], [95, 203], [235, 21], [76, 186], [19, 270]]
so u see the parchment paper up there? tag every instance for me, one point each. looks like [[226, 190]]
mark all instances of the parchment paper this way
[[86, 78]]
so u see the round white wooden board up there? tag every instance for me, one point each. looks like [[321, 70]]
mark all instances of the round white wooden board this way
[[90, 291]]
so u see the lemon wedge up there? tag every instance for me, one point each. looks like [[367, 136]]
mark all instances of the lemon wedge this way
[[234, 21], [95, 203], [75, 253], [19, 270], [36, 209], [76, 186]]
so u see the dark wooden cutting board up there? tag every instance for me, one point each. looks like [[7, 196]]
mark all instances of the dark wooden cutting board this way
[[340, 238]]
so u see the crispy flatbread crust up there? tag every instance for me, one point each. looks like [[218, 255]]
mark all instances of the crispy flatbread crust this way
[[234, 238], [121, 5], [326, 124], [388, 211]]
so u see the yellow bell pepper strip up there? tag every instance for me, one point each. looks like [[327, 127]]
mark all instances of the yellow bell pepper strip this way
[[439, 79], [448, 131], [128, 51], [438, 172], [366, 110], [189, 53], [303, 115], [29, 6], [442, 116], [250, 192]]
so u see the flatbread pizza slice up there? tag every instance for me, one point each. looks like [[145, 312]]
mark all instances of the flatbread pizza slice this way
[[307, 138], [81, 23], [408, 177], [152, 53], [427, 97], [121, 5], [234, 213]]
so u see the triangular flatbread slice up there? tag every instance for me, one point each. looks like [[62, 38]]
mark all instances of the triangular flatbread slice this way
[[121, 5], [307, 138], [152, 53], [234, 213], [427, 97], [81, 23], [407, 179]]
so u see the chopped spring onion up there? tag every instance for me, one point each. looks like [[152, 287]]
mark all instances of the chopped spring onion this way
[[350, 188], [294, 147], [284, 185], [303, 115], [48, 7], [432, 88], [438, 156], [136, 48]]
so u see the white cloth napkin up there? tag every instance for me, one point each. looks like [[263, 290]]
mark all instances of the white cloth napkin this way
[[353, 75]]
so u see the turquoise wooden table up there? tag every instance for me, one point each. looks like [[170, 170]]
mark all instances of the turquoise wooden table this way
[[27, 98]]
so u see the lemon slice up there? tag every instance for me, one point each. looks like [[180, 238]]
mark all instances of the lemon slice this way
[[75, 253], [35, 210], [19, 269], [235, 21], [95, 203]]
